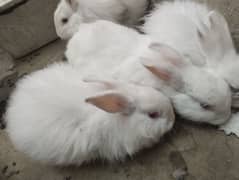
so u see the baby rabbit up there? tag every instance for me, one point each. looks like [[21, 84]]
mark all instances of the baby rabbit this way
[[200, 34], [116, 44], [70, 14], [196, 93], [56, 118]]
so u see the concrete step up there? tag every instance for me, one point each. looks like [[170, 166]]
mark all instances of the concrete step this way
[[6, 5], [26, 25]]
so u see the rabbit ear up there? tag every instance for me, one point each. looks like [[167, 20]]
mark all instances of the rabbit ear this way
[[169, 74], [161, 72], [108, 83], [218, 22], [112, 102], [166, 65], [168, 54], [73, 4], [214, 35]]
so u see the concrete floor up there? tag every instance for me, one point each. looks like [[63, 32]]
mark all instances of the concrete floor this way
[[202, 152]]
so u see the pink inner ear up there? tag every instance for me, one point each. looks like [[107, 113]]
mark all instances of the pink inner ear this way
[[175, 62], [161, 73], [169, 54], [112, 103]]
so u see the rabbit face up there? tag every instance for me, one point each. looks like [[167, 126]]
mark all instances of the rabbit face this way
[[148, 113], [66, 19], [70, 14], [204, 97], [197, 94], [153, 115]]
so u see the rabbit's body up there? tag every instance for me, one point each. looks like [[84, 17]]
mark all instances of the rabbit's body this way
[[109, 51], [76, 12], [200, 34], [48, 117], [125, 12], [117, 54], [177, 77]]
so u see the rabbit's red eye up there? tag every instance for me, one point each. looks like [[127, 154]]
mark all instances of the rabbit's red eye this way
[[64, 20], [154, 115]]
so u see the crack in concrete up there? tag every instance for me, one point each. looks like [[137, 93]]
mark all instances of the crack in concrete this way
[[179, 165], [191, 142], [229, 161], [194, 141], [12, 173], [213, 173], [229, 147]]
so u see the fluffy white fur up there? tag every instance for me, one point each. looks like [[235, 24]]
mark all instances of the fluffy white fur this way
[[49, 120], [200, 34], [95, 53], [197, 94], [76, 12], [232, 126]]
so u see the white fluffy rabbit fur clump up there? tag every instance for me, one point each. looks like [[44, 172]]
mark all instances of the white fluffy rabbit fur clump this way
[[55, 117], [70, 14], [125, 53], [200, 34]]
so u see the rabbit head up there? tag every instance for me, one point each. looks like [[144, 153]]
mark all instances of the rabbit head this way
[[148, 111], [197, 94], [67, 19], [217, 45], [70, 14]]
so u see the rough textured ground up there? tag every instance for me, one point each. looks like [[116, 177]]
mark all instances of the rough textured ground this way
[[200, 152]]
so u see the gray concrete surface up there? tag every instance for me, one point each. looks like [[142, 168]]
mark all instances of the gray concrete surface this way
[[6, 62], [200, 152], [26, 26]]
